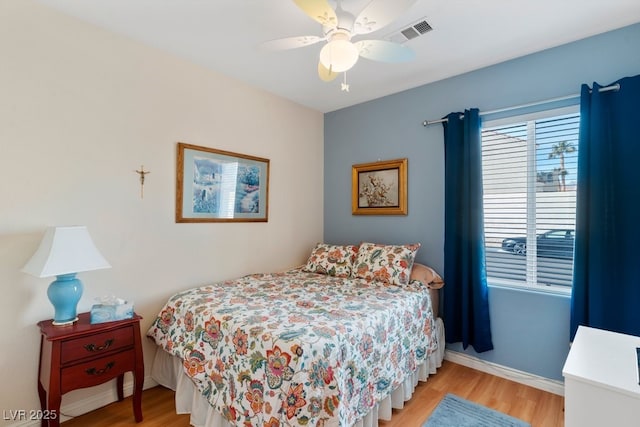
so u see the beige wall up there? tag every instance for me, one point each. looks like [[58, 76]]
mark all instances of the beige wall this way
[[80, 110]]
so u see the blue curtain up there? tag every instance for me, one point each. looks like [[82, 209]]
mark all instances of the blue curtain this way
[[465, 297], [606, 278]]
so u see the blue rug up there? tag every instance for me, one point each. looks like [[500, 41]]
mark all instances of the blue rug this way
[[454, 411]]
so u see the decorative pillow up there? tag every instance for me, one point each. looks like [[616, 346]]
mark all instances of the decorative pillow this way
[[426, 275], [429, 277], [333, 260], [386, 263]]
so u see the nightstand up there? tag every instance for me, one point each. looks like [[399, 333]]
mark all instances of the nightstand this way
[[601, 380], [85, 355]]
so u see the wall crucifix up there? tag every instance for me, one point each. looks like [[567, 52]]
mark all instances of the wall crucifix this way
[[142, 174]]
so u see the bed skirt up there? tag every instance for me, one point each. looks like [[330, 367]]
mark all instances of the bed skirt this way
[[167, 371]]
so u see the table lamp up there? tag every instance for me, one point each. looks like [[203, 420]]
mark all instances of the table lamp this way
[[64, 252]]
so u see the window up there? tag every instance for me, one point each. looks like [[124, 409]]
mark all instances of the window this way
[[529, 181]]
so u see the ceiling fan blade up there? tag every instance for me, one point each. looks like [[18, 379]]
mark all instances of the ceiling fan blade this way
[[380, 13], [291, 42], [318, 10], [382, 50], [325, 74]]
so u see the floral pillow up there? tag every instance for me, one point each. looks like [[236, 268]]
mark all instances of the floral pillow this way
[[333, 260], [385, 263]]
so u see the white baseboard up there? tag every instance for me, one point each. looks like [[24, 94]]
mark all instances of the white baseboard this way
[[82, 406], [535, 381]]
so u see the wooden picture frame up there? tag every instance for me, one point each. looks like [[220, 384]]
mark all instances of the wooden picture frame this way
[[220, 186], [379, 188]]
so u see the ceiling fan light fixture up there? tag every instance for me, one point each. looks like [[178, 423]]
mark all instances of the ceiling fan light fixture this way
[[338, 26], [339, 55]]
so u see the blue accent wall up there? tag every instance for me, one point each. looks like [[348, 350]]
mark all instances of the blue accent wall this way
[[530, 330]]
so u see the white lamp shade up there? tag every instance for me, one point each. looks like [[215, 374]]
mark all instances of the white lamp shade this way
[[65, 250], [339, 55]]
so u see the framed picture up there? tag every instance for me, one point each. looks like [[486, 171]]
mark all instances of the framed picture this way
[[220, 186], [379, 188]]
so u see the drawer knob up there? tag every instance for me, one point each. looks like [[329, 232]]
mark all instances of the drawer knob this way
[[93, 347], [94, 371]]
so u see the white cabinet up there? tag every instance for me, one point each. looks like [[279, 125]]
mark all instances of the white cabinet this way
[[601, 382]]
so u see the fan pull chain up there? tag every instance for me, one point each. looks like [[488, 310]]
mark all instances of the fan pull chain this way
[[345, 86]]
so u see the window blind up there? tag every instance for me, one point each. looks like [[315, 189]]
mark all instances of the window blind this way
[[529, 186]]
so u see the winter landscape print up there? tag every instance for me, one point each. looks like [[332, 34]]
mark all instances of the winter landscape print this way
[[221, 186], [225, 188]]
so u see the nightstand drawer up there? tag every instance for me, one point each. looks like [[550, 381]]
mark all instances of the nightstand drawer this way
[[97, 371], [96, 345]]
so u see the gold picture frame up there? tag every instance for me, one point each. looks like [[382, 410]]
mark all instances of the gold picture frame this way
[[220, 186], [379, 188]]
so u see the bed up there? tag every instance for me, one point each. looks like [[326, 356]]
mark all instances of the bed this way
[[336, 342]]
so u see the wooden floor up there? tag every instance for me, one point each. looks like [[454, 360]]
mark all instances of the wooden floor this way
[[539, 408]]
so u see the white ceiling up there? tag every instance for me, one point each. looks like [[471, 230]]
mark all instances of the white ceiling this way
[[225, 35]]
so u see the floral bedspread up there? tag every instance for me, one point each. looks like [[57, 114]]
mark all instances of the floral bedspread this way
[[296, 348]]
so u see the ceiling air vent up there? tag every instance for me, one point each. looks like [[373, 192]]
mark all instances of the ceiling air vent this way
[[419, 28]]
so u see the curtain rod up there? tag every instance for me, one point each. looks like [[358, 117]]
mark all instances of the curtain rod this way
[[530, 104]]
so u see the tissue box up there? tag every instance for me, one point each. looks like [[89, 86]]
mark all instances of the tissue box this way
[[101, 313]]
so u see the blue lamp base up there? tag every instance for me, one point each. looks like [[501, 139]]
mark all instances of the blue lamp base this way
[[64, 293]]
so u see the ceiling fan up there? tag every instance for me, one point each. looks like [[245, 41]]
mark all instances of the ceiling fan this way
[[340, 53]]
